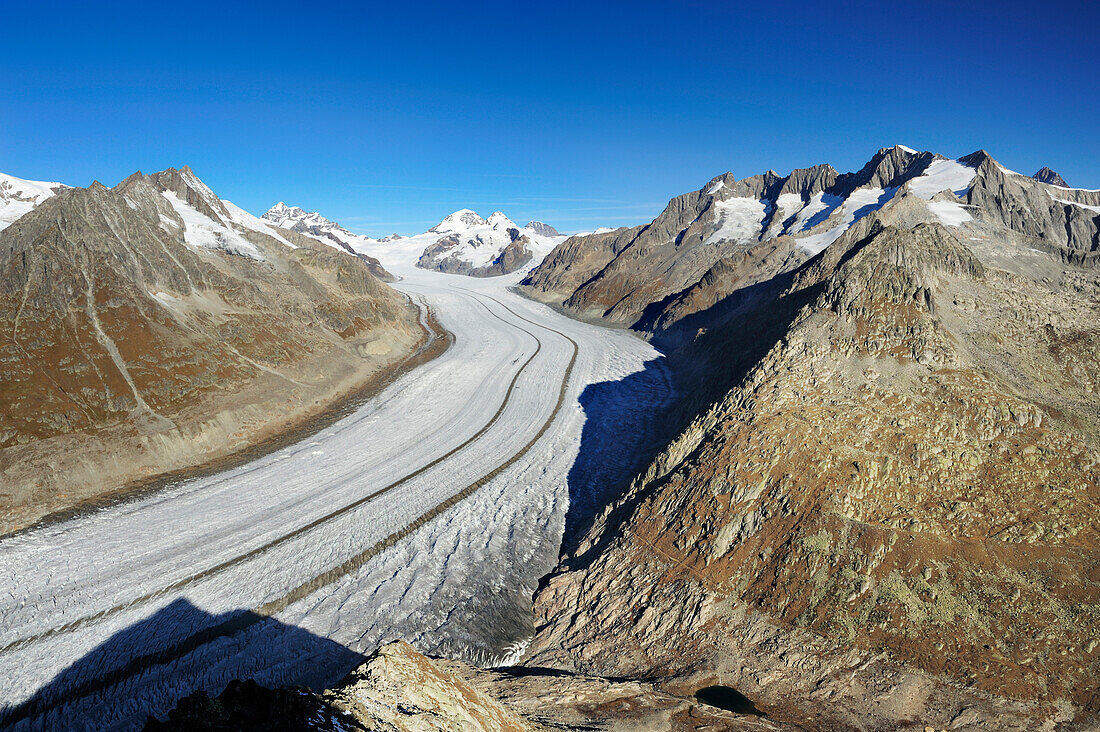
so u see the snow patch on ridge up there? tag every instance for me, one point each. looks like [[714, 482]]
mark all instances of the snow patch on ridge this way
[[1094, 209], [861, 202], [205, 233], [950, 213], [943, 175], [739, 219]]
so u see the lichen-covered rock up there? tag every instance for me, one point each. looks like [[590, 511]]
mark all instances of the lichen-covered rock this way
[[891, 517]]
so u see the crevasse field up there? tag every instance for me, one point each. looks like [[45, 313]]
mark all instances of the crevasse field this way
[[428, 514]]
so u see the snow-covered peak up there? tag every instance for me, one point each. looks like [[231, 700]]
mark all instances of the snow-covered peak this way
[[464, 242], [458, 221], [315, 225], [18, 196], [905, 148], [281, 211], [499, 221], [298, 219]]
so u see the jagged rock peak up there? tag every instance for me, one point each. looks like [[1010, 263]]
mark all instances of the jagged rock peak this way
[[718, 184], [541, 228], [888, 168], [295, 217], [808, 181], [1046, 175], [978, 158], [191, 190]]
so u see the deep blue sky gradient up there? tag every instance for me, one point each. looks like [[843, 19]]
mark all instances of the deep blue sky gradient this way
[[389, 116]]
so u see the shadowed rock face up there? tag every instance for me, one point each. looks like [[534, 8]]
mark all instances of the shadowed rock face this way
[[245, 706], [124, 339], [1046, 175], [891, 514]]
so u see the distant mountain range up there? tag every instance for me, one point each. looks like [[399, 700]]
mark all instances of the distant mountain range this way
[[462, 243], [731, 233]]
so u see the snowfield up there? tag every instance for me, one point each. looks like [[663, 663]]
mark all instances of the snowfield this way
[[18, 196], [428, 514]]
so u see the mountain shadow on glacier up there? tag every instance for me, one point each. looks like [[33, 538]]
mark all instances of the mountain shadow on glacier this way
[[626, 422], [144, 669], [708, 352]]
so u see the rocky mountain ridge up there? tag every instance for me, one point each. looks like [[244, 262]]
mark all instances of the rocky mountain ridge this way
[[627, 275], [885, 517], [462, 243], [159, 322]]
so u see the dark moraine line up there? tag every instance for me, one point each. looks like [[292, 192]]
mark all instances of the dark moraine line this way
[[185, 582], [247, 619]]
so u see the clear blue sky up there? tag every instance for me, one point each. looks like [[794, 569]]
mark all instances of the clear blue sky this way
[[388, 116]]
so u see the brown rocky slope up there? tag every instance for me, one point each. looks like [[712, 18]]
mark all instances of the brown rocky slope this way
[[152, 327], [890, 519]]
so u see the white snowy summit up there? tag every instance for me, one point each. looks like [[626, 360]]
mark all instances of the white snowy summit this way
[[18, 196], [461, 220], [465, 243], [316, 225], [462, 243]]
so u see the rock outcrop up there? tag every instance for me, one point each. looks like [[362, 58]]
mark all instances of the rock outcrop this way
[[1046, 175], [400, 690]]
